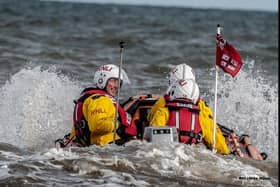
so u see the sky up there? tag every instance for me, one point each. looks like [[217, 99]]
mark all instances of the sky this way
[[265, 5]]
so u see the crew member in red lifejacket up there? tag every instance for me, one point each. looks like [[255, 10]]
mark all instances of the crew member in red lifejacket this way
[[181, 111], [94, 112], [184, 71]]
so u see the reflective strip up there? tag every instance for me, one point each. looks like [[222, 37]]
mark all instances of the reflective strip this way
[[177, 119], [76, 113], [193, 122], [184, 105]]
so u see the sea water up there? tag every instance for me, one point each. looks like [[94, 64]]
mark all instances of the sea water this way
[[49, 52]]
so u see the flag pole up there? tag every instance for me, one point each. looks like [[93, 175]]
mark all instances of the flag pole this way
[[215, 100], [215, 110], [119, 87]]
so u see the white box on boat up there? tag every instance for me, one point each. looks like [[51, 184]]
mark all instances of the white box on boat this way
[[160, 134]]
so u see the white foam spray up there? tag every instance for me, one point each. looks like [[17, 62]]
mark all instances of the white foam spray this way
[[36, 107], [248, 105]]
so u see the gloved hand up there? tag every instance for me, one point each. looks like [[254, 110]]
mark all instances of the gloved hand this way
[[82, 133], [121, 132], [127, 132]]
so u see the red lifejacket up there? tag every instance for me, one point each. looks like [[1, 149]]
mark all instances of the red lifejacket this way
[[78, 116], [185, 116]]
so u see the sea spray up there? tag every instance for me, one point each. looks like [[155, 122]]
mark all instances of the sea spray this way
[[248, 105], [36, 107]]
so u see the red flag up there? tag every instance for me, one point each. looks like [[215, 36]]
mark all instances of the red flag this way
[[227, 57]]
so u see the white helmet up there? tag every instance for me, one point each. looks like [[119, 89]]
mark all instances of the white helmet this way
[[181, 71], [185, 88], [104, 73]]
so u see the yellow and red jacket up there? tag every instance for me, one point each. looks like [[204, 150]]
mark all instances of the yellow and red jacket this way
[[97, 108], [159, 116]]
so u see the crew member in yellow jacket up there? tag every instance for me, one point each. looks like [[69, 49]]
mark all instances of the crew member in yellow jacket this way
[[95, 111], [159, 113]]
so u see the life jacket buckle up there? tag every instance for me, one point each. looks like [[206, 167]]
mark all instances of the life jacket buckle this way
[[81, 124], [199, 138], [192, 135]]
